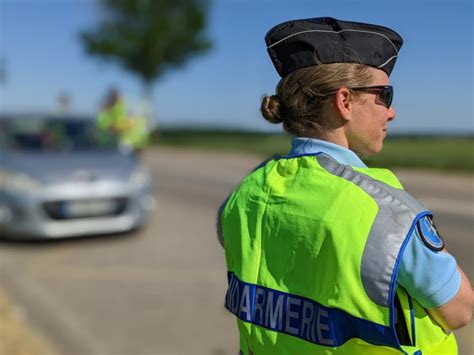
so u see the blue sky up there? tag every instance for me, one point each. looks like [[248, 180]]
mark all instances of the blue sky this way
[[433, 77]]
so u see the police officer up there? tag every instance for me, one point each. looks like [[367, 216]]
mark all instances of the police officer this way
[[114, 122], [112, 118], [324, 254]]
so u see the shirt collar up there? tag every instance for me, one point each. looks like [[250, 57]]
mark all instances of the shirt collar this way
[[303, 145]]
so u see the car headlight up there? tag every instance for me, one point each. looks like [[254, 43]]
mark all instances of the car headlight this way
[[11, 180], [140, 177]]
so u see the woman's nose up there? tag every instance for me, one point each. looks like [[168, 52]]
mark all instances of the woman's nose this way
[[391, 113]]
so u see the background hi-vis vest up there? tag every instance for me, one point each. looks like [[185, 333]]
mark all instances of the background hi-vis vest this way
[[312, 250], [132, 131]]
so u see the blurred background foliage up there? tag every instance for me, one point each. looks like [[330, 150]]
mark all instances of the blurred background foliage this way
[[149, 37]]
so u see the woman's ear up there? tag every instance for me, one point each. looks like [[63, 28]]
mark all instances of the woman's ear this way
[[342, 103]]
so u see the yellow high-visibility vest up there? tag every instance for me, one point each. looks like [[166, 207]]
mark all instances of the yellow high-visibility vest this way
[[312, 250]]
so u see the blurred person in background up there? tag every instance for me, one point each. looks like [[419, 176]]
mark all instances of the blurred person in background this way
[[144, 109], [63, 104], [324, 254], [114, 120]]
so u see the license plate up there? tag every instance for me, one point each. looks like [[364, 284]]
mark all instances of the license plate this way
[[89, 208]]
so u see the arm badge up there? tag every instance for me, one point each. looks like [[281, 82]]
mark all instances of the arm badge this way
[[429, 234]]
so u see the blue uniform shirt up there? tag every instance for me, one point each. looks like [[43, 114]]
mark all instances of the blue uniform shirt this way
[[430, 277]]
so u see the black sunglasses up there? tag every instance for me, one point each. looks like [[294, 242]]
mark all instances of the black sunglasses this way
[[385, 92]]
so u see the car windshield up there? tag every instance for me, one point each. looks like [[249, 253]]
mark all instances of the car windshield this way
[[54, 134]]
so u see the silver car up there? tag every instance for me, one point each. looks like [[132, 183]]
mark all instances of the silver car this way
[[61, 177]]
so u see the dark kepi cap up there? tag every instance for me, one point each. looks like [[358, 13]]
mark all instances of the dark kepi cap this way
[[298, 44]]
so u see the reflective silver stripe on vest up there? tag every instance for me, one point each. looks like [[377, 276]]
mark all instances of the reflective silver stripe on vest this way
[[396, 214]]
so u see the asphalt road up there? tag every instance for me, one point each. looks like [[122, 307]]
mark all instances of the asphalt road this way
[[160, 290]]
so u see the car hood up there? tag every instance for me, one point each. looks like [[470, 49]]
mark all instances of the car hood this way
[[50, 168]]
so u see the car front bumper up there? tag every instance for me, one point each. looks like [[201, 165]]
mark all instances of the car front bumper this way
[[24, 216]]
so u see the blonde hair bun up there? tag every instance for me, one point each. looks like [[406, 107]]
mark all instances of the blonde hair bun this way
[[272, 109]]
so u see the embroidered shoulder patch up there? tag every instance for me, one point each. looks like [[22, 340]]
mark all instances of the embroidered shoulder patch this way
[[429, 234]]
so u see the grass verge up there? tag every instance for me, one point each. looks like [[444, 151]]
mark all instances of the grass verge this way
[[421, 152], [16, 337]]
